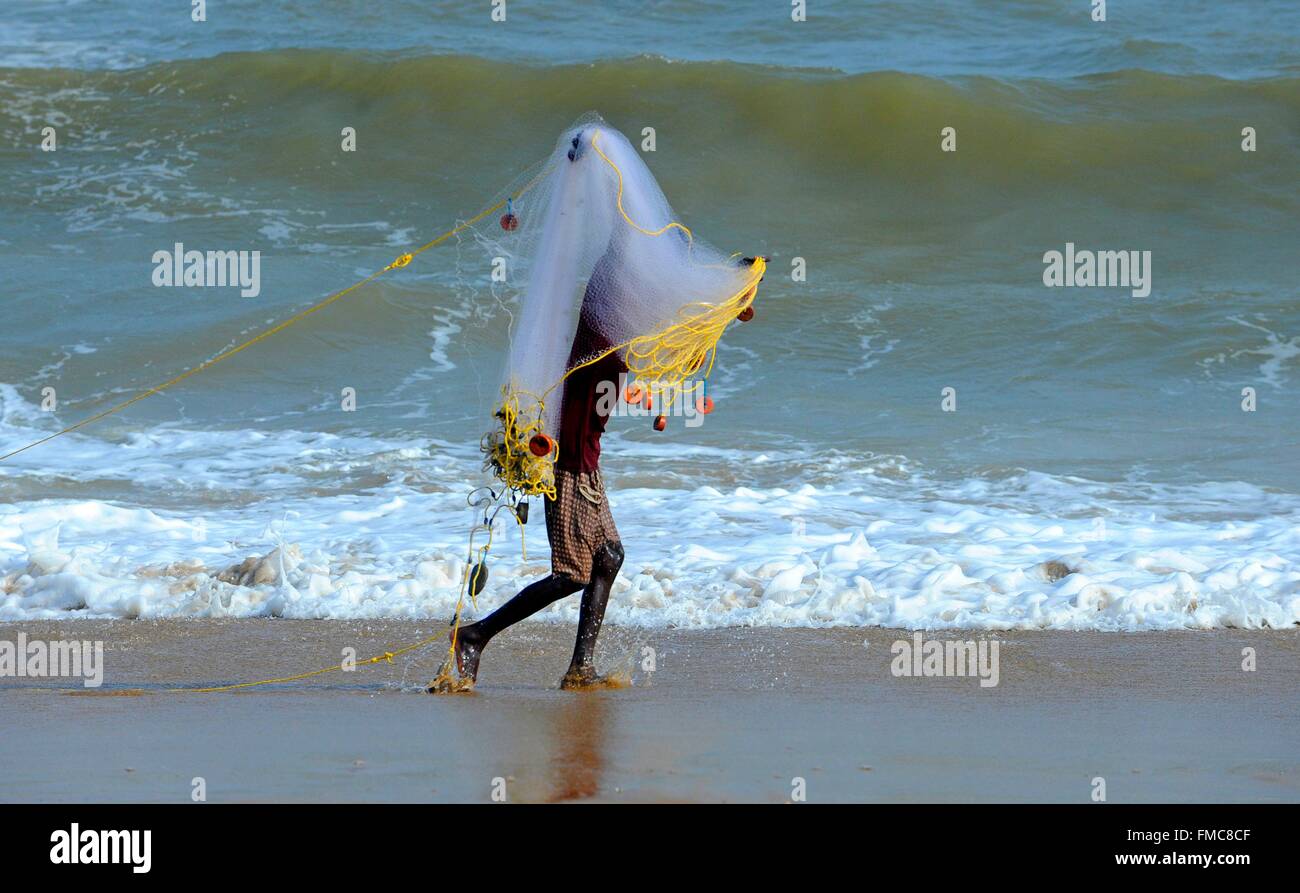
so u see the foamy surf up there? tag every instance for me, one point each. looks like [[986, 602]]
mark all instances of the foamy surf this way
[[297, 524]]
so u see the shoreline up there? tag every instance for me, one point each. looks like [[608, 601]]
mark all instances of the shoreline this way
[[730, 715]]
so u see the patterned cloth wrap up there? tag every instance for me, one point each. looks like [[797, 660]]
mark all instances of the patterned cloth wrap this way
[[578, 522]]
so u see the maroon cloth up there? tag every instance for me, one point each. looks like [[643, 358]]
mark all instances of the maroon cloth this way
[[581, 422]]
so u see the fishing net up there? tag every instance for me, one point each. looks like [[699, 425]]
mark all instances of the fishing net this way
[[594, 251]]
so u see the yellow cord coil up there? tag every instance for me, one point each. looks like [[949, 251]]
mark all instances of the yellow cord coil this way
[[508, 447]]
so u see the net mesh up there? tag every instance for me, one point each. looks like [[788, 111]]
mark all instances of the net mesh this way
[[593, 239]]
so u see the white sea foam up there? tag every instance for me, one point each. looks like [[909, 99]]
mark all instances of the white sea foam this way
[[353, 527]]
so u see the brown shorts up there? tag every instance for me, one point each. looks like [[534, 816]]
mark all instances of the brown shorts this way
[[578, 522]]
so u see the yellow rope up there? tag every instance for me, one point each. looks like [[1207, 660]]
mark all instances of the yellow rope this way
[[386, 656], [444, 682], [401, 261], [448, 680], [630, 222], [507, 448]]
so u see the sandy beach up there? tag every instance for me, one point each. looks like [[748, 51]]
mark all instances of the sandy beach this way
[[732, 715]]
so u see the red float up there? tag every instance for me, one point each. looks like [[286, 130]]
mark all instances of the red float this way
[[540, 445]]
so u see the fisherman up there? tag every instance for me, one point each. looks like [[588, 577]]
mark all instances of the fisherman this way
[[586, 552], [656, 298]]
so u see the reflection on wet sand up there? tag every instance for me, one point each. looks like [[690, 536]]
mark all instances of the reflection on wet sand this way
[[579, 730]]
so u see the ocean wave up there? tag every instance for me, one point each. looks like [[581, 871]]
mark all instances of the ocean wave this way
[[296, 524], [1070, 132]]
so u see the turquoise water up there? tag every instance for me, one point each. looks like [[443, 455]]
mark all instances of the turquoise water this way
[[1016, 38]]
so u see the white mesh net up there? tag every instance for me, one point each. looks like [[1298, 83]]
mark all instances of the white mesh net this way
[[593, 236]]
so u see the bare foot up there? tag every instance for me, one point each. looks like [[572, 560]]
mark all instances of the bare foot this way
[[448, 683], [469, 647], [581, 678]]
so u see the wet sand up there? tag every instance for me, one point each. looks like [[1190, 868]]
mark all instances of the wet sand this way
[[726, 715]]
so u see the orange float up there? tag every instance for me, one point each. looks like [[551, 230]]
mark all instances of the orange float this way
[[540, 445]]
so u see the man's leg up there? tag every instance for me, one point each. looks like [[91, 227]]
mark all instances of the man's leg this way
[[473, 638], [604, 568]]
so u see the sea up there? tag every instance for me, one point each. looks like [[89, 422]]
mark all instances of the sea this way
[[916, 430]]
